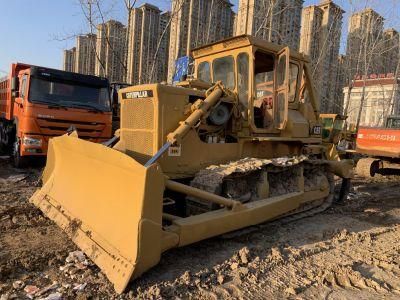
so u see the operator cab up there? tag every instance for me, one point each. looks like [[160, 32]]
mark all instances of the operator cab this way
[[269, 79], [332, 127]]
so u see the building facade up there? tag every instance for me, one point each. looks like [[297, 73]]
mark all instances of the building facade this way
[[163, 51], [321, 29], [110, 49], [364, 42], [277, 21], [85, 57], [382, 96], [195, 23], [142, 44], [391, 56], [340, 82], [69, 60]]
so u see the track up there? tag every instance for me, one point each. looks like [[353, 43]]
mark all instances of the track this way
[[245, 172]]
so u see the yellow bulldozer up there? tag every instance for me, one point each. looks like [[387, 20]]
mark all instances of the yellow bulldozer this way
[[236, 144]]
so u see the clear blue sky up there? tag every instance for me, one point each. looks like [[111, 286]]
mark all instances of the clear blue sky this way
[[36, 31]]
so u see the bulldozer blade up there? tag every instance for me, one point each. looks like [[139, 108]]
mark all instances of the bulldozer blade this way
[[108, 204]]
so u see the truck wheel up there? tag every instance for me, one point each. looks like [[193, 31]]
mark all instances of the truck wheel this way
[[3, 138], [18, 160], [7, 134]]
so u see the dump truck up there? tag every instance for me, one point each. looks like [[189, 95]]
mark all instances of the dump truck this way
[[215, 153], [380, 148], [38, 103]]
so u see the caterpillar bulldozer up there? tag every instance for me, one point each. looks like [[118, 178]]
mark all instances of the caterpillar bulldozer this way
[[236, 144]]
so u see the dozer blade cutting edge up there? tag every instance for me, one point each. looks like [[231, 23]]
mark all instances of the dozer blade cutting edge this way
[[104, 200]]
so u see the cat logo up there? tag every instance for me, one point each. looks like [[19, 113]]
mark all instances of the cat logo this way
[[317, 130], [137, 94]]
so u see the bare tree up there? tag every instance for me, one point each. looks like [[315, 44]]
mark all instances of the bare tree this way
[[371, 57], [267, 19]]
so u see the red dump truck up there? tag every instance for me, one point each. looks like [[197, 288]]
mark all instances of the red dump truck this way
[[38, 103], [381, 149]]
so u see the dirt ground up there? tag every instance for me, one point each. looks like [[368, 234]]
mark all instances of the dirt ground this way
[[350, 251]]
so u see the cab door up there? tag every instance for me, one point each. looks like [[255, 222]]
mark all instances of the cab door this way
[[281, 89], [21, 99]]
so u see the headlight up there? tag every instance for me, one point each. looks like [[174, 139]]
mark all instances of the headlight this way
[[30, 141]]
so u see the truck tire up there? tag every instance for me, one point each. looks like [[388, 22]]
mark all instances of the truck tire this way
[[7, 137], [3, 138], [19, 161]]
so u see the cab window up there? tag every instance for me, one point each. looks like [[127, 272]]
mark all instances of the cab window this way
[[23, 86], [327, 124], [293, 76], [203, 72], [264, 89], [338, 125], [243, 79], [224, 70], [393, 123]]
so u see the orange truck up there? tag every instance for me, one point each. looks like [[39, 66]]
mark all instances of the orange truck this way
[[38, 103], [381, 149]]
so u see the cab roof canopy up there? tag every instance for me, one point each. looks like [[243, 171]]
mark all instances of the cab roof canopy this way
[[240, 42]]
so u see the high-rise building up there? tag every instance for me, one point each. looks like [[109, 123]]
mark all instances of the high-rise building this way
[[340, 82], [163, 51], [195, 23], [310, 37], [142, 45], [69, 60], [85, 54], [390, 53], [277, 21], [235, 18], [110, 48], [364, 42], [321, 29]]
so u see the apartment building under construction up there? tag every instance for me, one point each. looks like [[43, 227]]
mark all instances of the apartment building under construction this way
[[195, 23], [321, 29], [110, 50], [277, 21]]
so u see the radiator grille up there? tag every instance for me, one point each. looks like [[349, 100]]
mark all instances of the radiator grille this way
[[139, 145], [137, 128], [138, 114]]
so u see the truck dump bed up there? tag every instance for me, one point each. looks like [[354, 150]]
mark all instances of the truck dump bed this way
[[382, 142], [4, 91]]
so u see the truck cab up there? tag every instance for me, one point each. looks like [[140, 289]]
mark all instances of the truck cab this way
[[40, 103]]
